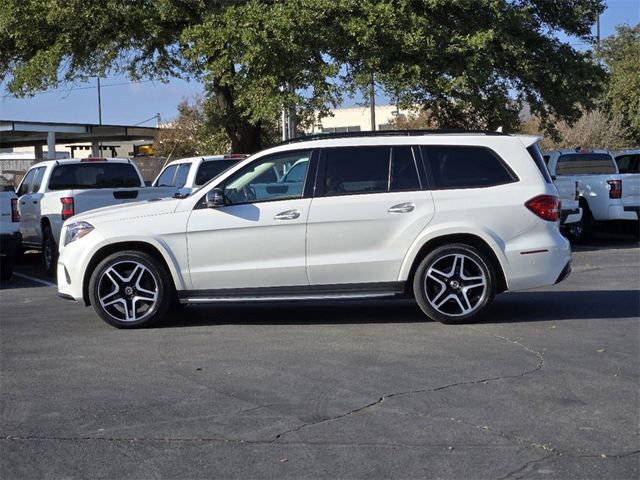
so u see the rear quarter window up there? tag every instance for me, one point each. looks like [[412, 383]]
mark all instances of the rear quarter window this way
[[93, 175], [466, 167]]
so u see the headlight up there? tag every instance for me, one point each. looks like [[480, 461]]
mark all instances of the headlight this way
[[77, 230]]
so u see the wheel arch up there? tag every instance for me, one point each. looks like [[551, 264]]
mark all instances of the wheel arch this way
[[450, 238], [106, 250]]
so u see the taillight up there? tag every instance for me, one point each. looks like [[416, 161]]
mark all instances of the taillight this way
[[577, 195], [615, 188], [15, 214], [547, 207], [68, 209]]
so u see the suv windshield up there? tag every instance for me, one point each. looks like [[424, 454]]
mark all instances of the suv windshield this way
[[586, 164]]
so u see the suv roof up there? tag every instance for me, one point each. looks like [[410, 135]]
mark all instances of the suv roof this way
[[391, 133]]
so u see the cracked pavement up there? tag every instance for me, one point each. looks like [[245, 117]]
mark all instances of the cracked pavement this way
[[545, 387]]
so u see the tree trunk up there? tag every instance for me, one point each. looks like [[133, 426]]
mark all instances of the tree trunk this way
[[245, 137]]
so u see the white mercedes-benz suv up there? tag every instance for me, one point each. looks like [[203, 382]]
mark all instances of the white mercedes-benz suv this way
[[451, 218]]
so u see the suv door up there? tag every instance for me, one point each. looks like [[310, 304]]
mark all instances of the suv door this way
[[257, 239], [370, 206]]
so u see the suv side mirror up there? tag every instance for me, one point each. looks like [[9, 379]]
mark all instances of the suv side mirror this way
[[215, 198]]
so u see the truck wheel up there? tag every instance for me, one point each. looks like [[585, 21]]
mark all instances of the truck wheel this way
[[581, 232], [131, 289], [49, 252], [6, 267], [454, 284]]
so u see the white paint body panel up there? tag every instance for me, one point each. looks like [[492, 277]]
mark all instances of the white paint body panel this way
[[335, 240]]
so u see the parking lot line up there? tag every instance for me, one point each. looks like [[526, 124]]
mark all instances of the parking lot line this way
[[33, 279]]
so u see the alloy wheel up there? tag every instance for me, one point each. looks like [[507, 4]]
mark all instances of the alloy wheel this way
[[455, 284], [128, 291]]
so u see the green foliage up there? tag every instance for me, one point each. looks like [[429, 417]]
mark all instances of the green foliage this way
[[621, 53], [469, 63]]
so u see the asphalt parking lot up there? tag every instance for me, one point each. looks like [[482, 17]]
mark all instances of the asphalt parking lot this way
[[545, 387]]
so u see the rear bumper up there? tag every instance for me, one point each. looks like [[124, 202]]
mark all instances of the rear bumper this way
[[570, 216], [635, 210], [9, 242], [566, 271]]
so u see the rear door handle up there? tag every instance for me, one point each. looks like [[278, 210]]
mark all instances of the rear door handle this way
[[402, 208], [288, 215]]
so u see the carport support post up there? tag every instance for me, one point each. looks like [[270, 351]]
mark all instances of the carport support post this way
[[37, 150], [95, 148], [51, 145]]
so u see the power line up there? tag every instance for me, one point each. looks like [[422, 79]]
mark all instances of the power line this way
[[91, 87]]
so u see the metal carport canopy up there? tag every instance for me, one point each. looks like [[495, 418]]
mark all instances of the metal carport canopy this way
[[15, 133]]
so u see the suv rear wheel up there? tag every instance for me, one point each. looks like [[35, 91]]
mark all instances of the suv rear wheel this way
[[130, 289], [454, 284]]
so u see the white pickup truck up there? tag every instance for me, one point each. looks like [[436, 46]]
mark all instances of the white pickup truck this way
[[9, 230], [600, 186], [55, 190], [189, 174], [629, 167]]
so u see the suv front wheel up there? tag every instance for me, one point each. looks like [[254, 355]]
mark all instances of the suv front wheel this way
[[454, 284], [130, 289]]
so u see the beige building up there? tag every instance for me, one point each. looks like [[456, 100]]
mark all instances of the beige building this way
[[357, 119]]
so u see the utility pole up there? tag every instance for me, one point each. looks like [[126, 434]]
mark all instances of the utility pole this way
[[598, 35], [372, 101], [293, 119], [99, 104]]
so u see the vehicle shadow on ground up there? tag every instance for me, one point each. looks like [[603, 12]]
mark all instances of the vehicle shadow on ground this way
[[610, 237], [508, 308]]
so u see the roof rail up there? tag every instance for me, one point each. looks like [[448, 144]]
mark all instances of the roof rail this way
[[388, 133]]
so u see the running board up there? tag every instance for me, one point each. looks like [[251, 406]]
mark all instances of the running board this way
[[287, 294]]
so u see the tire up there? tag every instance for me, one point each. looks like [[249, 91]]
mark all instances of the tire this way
[[581, 232], [131, 289], [455, 284], [49, 252], [6, 267]]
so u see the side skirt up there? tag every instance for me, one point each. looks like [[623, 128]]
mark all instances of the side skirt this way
[[294, 293]]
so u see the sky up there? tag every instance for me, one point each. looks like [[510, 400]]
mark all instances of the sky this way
[[128, 103]]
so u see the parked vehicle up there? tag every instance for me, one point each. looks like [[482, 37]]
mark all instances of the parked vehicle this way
[[570, 210], [55, 190], [10, 238], [189, 174], [452, 219], [629, 167], [600, 186]]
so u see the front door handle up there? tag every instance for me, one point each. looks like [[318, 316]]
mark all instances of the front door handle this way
[[288, 215], [402, 208], [35, 202]]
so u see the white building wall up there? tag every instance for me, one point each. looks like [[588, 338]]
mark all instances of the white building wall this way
[[357, 119]]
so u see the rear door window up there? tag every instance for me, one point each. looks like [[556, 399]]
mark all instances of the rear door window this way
[[454, 167], [93, 175], [404, 174], [356, 170]]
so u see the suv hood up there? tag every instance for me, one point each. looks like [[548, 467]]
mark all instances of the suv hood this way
[[127, 211]]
